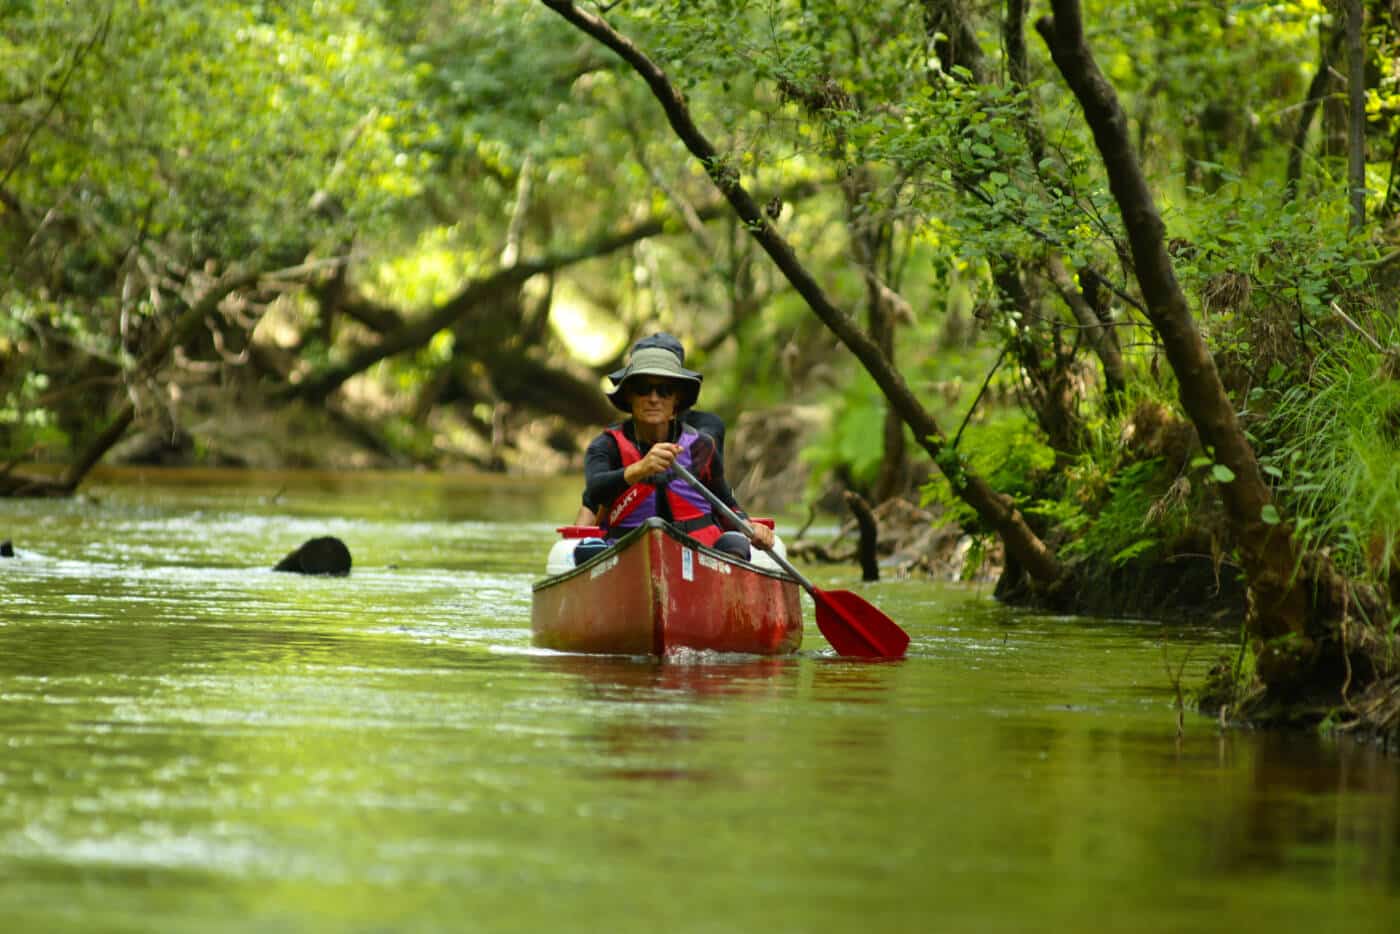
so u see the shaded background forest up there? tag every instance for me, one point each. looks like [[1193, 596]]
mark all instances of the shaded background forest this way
[[361, 232]]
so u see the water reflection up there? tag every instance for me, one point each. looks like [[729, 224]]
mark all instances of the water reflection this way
[[649, 732], [854, 681], [1307, 801], [644, 679]]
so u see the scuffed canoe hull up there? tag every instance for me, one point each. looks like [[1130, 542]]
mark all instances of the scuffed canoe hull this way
[[659, 590]]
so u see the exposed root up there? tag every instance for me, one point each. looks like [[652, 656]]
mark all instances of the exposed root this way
[[912, 542]]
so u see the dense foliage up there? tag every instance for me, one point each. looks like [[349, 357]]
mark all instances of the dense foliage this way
[[436, 225]]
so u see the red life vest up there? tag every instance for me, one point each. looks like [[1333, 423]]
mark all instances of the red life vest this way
[[689, 510]]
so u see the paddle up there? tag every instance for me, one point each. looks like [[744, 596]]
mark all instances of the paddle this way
[[850, 624]]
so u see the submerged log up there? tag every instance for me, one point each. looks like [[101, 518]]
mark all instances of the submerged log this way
[[326, 555]]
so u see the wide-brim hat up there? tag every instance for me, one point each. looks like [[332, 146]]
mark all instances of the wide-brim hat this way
[[654, 361], [660, 339]]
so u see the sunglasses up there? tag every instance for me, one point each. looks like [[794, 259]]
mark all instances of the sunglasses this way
[[663, 390]]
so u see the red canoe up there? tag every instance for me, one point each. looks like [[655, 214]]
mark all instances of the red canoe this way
[[659, 589]]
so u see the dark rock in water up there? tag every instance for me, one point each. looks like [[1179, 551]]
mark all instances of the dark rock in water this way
[[6, 549], [325, 555]]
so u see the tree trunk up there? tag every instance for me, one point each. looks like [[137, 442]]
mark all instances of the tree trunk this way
[[954, 39], [870, 238], [1048, 388], [1278, 611], [1018, 69], [1101, 338], [1356, 115], [1317, 92]]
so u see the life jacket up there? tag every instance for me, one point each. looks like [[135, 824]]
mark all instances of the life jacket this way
[[690, 511]]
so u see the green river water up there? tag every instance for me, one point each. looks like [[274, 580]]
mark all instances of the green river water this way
[[192, 742]]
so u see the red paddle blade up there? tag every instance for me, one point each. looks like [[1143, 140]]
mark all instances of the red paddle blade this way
[[854, 627]]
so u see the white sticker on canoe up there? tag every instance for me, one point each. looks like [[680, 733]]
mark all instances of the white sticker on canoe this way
[[714, 565], [688, 564], [603, 567]]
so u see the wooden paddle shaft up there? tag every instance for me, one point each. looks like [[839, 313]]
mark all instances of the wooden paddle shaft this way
[[733, 518]]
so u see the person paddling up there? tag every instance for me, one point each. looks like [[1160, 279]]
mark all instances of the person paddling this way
[[706, 422], [627, 468]]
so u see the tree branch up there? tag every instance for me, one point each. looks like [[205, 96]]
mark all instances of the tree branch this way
[[418, 331]]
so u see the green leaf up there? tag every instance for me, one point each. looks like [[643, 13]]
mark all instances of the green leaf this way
[[1222, 474], [1269, 515], [1132, 551]]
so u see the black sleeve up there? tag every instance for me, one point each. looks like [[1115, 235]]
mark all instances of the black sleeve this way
[[602, 472]]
